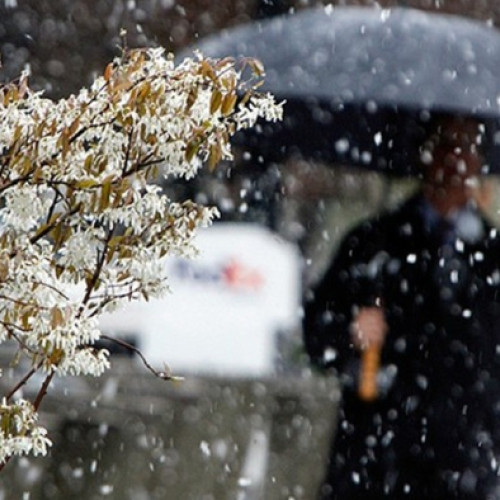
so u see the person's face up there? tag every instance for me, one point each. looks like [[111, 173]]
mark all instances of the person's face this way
[[455, 167], [456, 163]]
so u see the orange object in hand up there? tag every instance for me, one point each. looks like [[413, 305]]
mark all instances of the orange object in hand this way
[[370, 364]]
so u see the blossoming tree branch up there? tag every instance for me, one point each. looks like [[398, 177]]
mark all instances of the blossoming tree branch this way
[[84, 224]]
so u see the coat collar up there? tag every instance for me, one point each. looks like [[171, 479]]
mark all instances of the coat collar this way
[[420, 218]]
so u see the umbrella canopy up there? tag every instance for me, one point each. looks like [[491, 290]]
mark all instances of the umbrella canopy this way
[[361, 82]]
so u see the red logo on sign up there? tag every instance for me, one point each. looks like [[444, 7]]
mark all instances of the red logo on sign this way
[[237, 275], [234, 274]]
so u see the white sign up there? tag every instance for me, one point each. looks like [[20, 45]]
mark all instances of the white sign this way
[[226, 307]]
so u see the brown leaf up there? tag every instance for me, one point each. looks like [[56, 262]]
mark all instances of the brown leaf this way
[[4, 268], [108, 72], [191, 150], [228, 104], [257, 66], [207, 70], [105, 194], [215, 101], [215, 156], [191, 98], [56, 317]]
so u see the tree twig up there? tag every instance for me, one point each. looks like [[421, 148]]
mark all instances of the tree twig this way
[[43, 390], [23, 381], [96, 274], [135, 350]]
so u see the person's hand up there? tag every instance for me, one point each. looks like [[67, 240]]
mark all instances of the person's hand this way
[[368, 327]]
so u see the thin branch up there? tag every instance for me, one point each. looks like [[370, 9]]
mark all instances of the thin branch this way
[[20, 342], [97, 272], [50, 287], [53, 206], [55, 185], [19, 302], [50, 227], [14, 182], [105, 300], [24, 380], [127, 153], [43, 390], [135, 350], [81, 131]]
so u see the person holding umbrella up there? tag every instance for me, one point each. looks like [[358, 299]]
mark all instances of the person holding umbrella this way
[[421, 282], [416, 290]]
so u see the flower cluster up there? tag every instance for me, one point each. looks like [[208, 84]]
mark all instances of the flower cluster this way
[[83, 224], [20, 433]]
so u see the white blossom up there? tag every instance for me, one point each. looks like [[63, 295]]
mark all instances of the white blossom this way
[[19, 432], [83, 226]]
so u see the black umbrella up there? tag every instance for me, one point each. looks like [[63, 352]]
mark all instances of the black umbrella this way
[[361, 83]]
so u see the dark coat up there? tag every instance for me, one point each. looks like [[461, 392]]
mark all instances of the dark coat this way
[[435, 430]]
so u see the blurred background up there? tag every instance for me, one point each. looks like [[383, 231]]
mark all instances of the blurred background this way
[[250, 420], [66, 44]]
